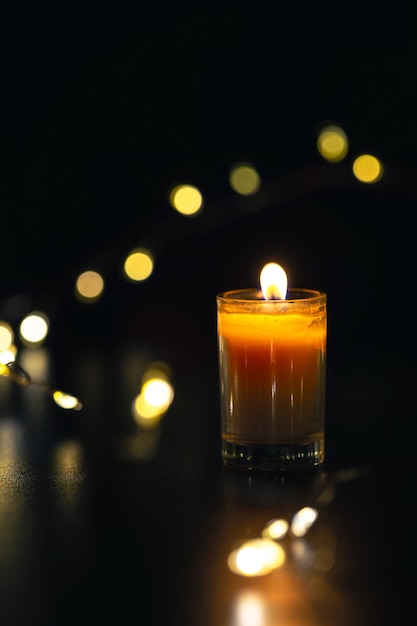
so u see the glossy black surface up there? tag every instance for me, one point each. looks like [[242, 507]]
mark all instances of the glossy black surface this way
[[90, 532]]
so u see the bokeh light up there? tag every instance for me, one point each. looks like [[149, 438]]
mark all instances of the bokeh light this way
[[146, 414], [275, 529], [367, 168], [244, 179], [155, 397], [158, 393], [8, 355], [6, 335], [89, 286], [249, 609], [303, 520], [66, 401], [138, 265], [332, 143], [256, 557], [186, 199], [34, 328]]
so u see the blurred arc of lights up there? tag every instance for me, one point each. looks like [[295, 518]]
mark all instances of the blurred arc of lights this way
[[186, 199], [34, 328], [138, 265], [244, 179], [367, 168], [332, 143], [89, 286]]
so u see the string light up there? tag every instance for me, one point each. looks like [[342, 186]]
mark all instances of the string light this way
[[257, 556], [18, 375], [187, 200]]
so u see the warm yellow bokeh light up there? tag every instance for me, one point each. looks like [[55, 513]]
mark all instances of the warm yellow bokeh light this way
[[9, 355], [244, 179], [158, 393], [186, 199], [34, 328], [250, 608], [138, 265], [144, 413], [89, 286], [6, 335], [275, 529], [155, 397], [66, 401], [4, 370], [367, 168], [332, 143], [256, 557], [303, 520]]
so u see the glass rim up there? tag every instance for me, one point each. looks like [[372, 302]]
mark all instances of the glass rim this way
[[255, 295]]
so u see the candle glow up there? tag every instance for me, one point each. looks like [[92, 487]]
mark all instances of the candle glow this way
[[272, 355], [274, 282]]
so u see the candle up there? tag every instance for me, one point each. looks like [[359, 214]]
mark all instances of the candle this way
[[272, 360]]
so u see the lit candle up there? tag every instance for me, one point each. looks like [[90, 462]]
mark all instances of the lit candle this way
[[272, 361]]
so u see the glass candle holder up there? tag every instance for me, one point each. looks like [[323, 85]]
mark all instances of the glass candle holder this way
[[272, 366]]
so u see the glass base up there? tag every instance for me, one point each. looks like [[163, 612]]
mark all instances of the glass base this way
[[273, 458]]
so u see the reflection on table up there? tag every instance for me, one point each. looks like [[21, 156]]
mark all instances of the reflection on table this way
[[102, 514]]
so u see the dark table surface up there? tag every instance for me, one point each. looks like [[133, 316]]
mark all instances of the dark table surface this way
[[100, 520]]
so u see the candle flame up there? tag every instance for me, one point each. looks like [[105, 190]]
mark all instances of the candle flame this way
[[274, 282]]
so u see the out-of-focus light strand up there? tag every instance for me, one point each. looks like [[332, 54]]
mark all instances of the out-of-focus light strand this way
[[257, 557], [17, 374]]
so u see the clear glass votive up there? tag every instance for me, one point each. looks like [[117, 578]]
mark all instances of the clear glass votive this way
[[272, 366]]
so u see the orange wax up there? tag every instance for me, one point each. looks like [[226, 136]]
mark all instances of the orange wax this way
[[272, 359]]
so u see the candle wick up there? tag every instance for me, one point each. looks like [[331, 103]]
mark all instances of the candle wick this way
[[272, 293]]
